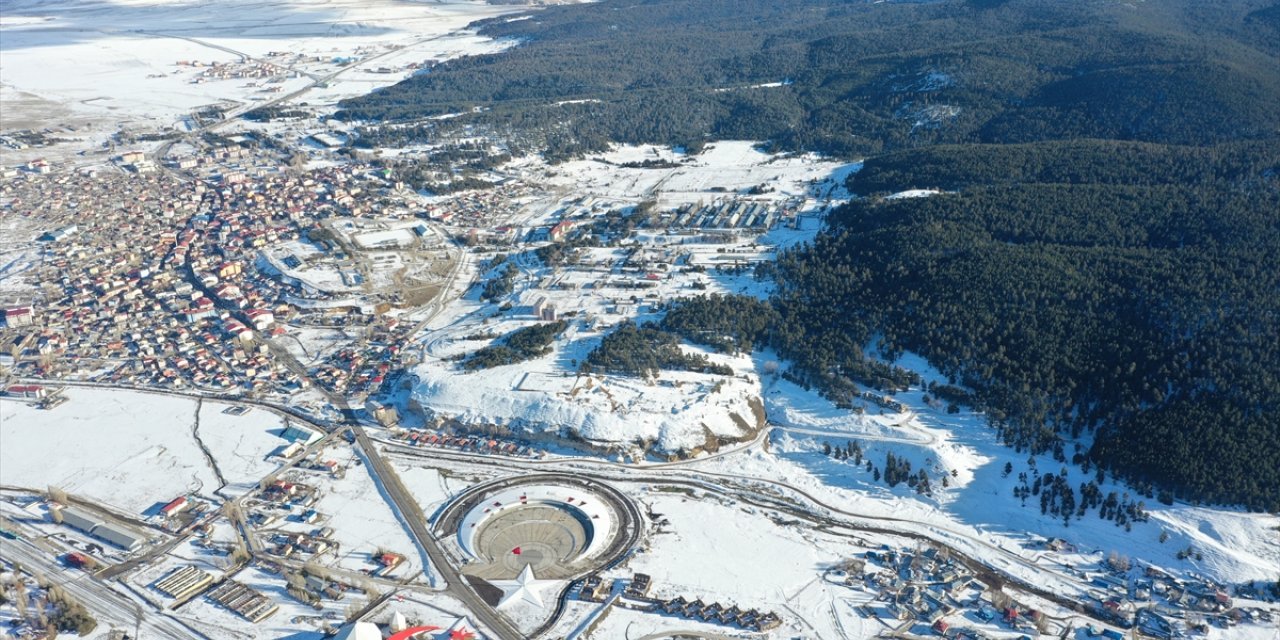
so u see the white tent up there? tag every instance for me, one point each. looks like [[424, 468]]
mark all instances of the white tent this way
[[398, 623], [359, 631]]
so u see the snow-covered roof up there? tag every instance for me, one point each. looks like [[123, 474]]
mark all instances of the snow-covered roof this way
[[359, 631], [398, 622]]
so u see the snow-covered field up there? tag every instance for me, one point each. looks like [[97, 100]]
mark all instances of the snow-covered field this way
[[731, 165], [89, 67], [736, 555], [681, 412], [978, 503], [132, 450], [678, 411], [431, 488]]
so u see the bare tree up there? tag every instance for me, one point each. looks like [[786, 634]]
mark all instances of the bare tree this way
[[1042, 624], [42, 615], [1000, 599], [313, 568], [232, 511], [57, 495], [20, 598], [1118, 562], [239, 555]]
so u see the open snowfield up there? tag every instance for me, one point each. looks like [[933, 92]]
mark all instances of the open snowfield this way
[[678, 411], [732, 165], [96, 65], [132, 450], [979, 505], [431, 488], [238, 444], [735, 554]]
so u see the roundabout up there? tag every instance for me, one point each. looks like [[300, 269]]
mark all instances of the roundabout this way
[[557, 526]]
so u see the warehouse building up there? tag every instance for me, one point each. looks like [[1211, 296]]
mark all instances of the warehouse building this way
[[124, 538], [86, 522], [79, 520]]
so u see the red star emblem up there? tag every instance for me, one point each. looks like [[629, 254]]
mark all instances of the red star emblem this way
[[409, 633]]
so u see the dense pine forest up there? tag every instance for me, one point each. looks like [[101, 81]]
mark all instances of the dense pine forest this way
[[859, 78], [644, 351], [1102, 262], [522, 344], [1141, 309]]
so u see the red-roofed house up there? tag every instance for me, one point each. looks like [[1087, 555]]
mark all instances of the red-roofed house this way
[[25, 391], [175, 506], [18, 316], [261, 318], [558, 231]]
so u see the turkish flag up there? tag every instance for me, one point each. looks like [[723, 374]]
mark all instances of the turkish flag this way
[[516, 551]]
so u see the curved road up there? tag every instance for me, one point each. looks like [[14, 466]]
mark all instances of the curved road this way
[[761, 492], [816, 510]]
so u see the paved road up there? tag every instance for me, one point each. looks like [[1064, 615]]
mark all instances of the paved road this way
[[497, 626], [779, 497], [106, 604], [799, 503]]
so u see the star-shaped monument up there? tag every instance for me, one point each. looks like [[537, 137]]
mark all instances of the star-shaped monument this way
[[526, 588]]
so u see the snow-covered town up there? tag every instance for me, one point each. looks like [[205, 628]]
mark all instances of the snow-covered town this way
[[266, 377]]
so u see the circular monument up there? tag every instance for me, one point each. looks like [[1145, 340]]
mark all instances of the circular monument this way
[[558, 526], [539, 535]]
